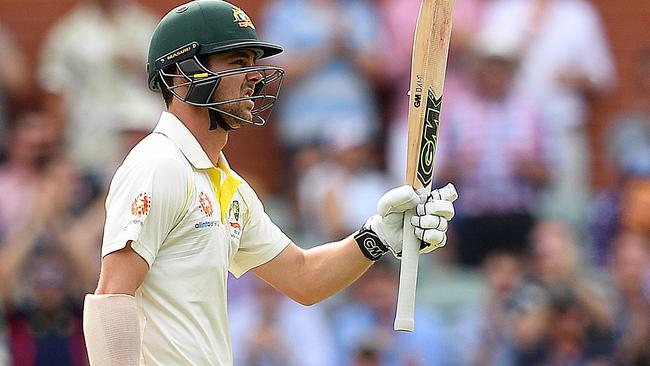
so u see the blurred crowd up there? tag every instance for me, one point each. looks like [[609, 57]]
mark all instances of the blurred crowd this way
[[541, 268]]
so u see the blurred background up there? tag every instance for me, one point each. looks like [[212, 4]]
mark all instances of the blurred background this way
[[545, 131]]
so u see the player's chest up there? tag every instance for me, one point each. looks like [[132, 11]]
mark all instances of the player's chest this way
[[215, 216], [208, 234]]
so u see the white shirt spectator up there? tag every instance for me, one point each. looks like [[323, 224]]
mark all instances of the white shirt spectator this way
[[93, 60], [558, 39]]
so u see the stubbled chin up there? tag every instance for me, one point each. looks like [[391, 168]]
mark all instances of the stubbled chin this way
[[236, 124]]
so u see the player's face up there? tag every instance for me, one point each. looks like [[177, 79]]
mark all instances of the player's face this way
[[235, 86]]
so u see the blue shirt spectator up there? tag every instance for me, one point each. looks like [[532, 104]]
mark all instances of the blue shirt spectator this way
[[326, 44], [365, 325]]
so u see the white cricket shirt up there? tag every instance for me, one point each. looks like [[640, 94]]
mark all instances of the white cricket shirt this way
[[192, 222]]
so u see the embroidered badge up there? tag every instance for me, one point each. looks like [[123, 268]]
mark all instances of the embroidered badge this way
[[241, 18], [206, 204], [234, 210], [141, 205], [233, 220]]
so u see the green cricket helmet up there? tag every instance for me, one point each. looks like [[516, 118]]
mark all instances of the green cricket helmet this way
[[192, 31]]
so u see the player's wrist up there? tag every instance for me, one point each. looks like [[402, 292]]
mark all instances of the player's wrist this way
[[369, 242]]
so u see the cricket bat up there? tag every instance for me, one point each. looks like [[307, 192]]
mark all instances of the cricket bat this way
[[428, 66]]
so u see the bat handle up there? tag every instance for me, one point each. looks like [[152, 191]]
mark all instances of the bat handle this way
[[408, 276]]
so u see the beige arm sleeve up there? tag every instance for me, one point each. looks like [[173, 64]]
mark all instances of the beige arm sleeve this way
[[112, 330]]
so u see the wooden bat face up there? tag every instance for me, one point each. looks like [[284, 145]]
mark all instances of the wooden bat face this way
[[429, 63]]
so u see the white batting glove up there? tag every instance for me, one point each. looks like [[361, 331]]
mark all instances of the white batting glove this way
[[383, 232]]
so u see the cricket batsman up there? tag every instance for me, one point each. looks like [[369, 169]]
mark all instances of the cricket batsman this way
[[179, 218]]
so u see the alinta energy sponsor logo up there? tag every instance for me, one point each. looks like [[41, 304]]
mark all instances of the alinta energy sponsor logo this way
[[204, 224], [205, 204], [141, 205], [131, 223]]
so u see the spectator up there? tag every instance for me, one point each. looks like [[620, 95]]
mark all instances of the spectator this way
[[565, 62], [485, 336], [91, 67], [45, 268], [271, 330], [45, 256], [628, 140], [340, 192], [635, 206], [14, 79], [46, 265], [59, 213], [627, 204], [330, 61], [630, 130], [630, 268], [493, 146], [563, 318], [558, 260], [33, 144], [367, 319], [573, 337], [45, 324]]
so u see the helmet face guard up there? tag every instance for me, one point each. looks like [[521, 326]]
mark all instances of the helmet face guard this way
[[200, 85], [192, 31]]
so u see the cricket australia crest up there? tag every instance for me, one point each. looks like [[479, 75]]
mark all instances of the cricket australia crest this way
[[234, 223], [241, 18]]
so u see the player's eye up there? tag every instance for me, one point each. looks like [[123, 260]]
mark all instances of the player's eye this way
[[240, 62]]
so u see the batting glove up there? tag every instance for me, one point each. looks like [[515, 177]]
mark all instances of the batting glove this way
[[383, 232]]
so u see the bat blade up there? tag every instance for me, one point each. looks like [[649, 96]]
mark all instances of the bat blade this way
[[428, 67]]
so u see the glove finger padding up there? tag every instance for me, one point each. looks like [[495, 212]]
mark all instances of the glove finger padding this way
[[397, 200], [433, 239], [432, 215], [446, 193], [430, 222], [436, 208]]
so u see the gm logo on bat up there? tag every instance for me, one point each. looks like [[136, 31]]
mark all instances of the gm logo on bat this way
[[429, 138], [418, 91]]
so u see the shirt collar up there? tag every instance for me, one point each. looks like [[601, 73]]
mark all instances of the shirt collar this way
[[170, 126]]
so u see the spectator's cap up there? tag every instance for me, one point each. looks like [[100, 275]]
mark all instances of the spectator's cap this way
[[339, 139], [139, 114], [493, 45], [198, 28], [346, 139]]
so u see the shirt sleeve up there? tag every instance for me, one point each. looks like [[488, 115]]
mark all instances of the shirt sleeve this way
[[261, 239], [145, 201]]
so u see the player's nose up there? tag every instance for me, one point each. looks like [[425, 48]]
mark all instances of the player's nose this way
[[254, 76]]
